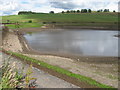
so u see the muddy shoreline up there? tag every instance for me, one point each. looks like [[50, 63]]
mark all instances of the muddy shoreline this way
[[87, 27], [52, 28]]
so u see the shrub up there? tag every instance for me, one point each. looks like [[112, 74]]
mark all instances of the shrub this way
[[52, 12], [53, 22], [114, 11], [30, 21], [44, 22], [15, 78]]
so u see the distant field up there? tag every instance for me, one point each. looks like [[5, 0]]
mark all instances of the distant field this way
[[69, 19]]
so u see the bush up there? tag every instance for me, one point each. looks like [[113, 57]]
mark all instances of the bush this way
[[114, 11], [52, 12], [30, 21], [53, 22], [13, 77], [44, 22]]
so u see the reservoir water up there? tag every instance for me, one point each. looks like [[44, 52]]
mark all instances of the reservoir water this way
[[75, 42]]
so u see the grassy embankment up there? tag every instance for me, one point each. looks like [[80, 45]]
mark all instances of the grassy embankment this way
[[61, 70], [82, 19]]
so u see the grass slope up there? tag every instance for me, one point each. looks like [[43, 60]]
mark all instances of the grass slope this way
[[75, 19]]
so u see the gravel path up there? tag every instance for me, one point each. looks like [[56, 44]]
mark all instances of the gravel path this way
[[44, 80]]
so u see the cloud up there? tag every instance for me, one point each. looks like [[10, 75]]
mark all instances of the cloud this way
[[64, 4], [81, 4], [9, 7], [119, 6]]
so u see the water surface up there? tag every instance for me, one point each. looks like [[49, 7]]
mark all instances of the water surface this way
[[76, 42]]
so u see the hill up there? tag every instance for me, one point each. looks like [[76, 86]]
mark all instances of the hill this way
[[82, 19]]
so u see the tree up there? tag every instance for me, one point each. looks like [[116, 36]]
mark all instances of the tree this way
[[52, 12], [106, 10], [63, 12], [78, 11], [114, 11], [25, 12], [74, 11], [83, 10], [89, 10], [100, 10], [68, 11], [71, 11]]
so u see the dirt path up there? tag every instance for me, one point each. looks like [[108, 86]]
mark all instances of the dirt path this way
[[103, 72], [44, 80]]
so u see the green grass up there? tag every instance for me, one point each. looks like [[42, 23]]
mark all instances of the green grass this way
[[61, 70], [25, 25], [37, 19], [83, 17]]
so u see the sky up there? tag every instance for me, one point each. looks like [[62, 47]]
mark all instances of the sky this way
[[12, 7]]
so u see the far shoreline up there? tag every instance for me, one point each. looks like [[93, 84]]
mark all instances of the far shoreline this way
[[53, 27]]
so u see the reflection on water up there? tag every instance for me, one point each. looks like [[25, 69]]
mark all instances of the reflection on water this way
[[79, 42]]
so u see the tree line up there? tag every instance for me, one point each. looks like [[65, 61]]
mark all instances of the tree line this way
[[27, 12], [78, 11], [68, 11], [86, 11]]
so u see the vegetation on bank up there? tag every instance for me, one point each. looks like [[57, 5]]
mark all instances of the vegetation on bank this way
[[13, 77], [78, 19], [61, 70], [24, 25]]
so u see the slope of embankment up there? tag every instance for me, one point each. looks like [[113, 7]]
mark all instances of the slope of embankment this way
[[13, 40]]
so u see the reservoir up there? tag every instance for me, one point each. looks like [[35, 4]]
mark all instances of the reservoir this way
[[75, 42]]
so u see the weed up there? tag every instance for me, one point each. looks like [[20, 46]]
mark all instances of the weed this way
[[15, 78]]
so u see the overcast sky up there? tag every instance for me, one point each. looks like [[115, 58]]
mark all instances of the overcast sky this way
[[10, 7]]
